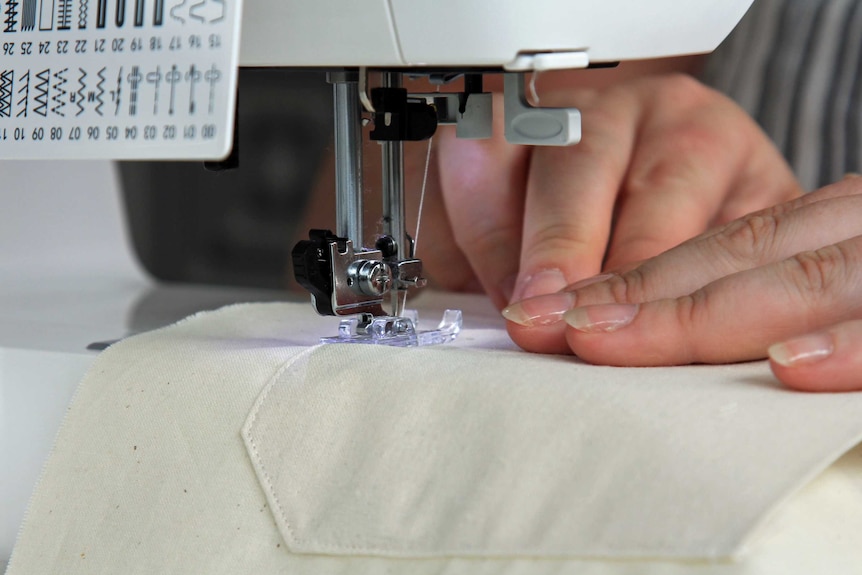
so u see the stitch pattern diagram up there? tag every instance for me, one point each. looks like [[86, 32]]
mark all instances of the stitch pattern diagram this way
[[24, 95], [83, 8], [135, 79], [64, 15], [155, 78], [100, 91], [117, 94], [28, 18], [81, 95], [59, 92], [43, 80], [7, 78], [11, 16], [129, 79]]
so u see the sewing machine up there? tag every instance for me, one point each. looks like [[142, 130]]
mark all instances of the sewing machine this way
[[158, 80], [118, 102], [443, 41]]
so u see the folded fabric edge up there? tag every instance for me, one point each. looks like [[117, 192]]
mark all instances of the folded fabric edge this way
[[257, 463], [299, 546], [749, 541]]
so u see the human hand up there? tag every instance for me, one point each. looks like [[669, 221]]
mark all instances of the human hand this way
[[662, 158], [784, 282]]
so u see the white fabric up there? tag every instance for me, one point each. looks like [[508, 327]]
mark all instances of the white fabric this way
[[150, 473], [444, 451]]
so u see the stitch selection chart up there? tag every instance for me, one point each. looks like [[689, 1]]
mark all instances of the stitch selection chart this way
[[118, 79]]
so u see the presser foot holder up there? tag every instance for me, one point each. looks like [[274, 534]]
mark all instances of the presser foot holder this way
[[396, 331]]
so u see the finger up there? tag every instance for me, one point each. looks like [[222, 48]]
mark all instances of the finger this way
[[744, 244], [763, 238], [733, 319], [536, 324], [483, 187], [568, 211], [571, 194], [690, 170], [850, 185], [829, 360]]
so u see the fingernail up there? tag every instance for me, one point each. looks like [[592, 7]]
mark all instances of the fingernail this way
[[589, 281], [851, 175], [803, 350], [545, 309], [540, 283], [601, 318]]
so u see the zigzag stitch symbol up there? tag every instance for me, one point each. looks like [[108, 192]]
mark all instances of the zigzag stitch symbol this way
[[24, 92], [43, 79], [11, 15], [7, 78], [100, 91], [81, 96], [59, 92]]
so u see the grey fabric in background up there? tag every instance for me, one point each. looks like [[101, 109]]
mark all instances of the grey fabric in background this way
[[794, 65]]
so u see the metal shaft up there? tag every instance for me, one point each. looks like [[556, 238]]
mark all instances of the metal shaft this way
[[348, 157], [394, 213]]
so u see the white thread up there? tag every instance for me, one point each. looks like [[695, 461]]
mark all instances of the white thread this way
[[422, 195], [533, 93], [363, 91]]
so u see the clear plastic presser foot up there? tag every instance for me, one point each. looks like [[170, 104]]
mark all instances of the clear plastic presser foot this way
[[400, 331]]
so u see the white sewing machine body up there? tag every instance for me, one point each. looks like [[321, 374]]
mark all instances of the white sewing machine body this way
[[477, 33]]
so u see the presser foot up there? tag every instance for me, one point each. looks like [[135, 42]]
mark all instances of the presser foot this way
[[400, 331]]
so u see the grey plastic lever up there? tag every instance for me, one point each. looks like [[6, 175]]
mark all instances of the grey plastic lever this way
[[532, 126]]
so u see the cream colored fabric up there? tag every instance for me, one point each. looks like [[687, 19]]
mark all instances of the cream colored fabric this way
[[444, 451], [150, 473]]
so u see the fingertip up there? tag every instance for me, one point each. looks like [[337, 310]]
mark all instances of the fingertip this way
[[633, 335], [828, 361], [807, 350], [797, 362], [799, 379], [816, 378], [548, 339], [611, 335], [541, 310]]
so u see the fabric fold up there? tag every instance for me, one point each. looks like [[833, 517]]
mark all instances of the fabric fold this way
[[151, 474], [453, 452]]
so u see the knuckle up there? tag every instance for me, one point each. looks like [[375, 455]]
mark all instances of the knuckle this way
[[560, 237], [628, 287], [820, 272], [750, 239], [677, 159], [473, 240], [691, 311]]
